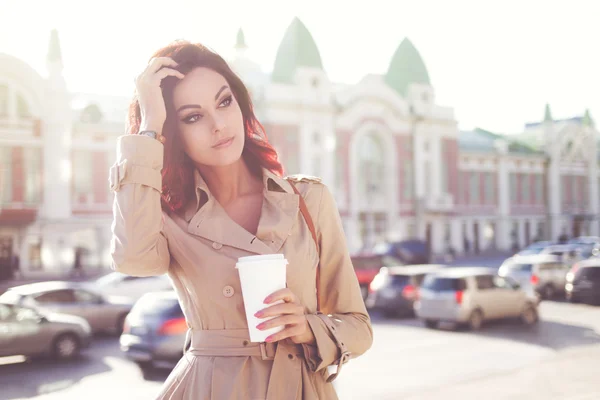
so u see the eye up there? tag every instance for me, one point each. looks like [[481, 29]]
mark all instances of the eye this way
[[190, 119], [227, 101]]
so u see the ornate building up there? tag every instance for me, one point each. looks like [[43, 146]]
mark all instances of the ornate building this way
[[396, 160]]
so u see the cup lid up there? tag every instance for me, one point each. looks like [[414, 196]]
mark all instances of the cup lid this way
[[260, 257]]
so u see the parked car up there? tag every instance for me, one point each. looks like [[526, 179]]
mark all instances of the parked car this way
[[27, 332], [470, 296], [368, 263], [154, 333], [394, 290], [535, 248], [132, 287], [103, 313], [544, 274], [583, 282], [585, 240]]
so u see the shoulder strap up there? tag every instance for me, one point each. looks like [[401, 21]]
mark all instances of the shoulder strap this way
[[311, 228]]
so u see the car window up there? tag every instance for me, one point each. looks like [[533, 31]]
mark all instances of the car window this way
[[399, 280], [83, 296], [484, 282], [501, 283], [57, 296], [441, 284], [520, 267], [149, 305]]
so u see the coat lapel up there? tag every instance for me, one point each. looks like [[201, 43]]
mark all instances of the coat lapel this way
[[279, 212]]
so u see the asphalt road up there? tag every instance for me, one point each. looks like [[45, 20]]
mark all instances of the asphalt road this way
[[558, 359]]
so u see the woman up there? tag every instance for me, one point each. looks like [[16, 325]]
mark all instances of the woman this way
[[220, 196]]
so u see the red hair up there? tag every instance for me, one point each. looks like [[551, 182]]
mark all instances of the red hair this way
[[178, 170]]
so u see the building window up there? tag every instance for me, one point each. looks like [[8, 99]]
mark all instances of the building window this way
[[407, 185], [536, 194], [292, 152], [22, 107], [82, 173], [3, 100], [33, 175], [490, 189], [474, 188], [6, 175], [513, 188], [525, 183], [371, 165]]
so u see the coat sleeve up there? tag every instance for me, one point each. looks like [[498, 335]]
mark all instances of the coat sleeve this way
[[343, 324], [138, 245]]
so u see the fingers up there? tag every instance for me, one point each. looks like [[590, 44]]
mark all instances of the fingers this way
[[158, 69], [158, 62], [284, 320], [291, 331], [283, 294], [163, 73], [279, 309]]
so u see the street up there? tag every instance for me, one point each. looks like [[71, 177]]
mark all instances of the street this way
[[556, 360]]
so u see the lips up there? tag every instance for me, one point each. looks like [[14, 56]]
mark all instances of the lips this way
[[223, 143]]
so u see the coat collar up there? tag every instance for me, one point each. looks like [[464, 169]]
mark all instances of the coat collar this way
[[207, 218]]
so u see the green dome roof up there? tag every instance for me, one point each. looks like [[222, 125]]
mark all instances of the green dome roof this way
[[297, 49], [240, 42], [547, 113], [54, 53], [406, 67]]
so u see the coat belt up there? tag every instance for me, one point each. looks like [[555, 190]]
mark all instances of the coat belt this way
[[287, 357]]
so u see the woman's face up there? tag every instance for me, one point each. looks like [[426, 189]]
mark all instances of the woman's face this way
[[209, 118]]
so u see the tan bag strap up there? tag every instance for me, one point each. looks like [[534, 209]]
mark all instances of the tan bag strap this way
[[313, 232]]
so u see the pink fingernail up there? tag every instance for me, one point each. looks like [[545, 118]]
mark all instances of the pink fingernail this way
[[267, 300], [269, 339], [258, 314]]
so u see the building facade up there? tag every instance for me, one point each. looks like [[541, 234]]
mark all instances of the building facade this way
[[396, 161]]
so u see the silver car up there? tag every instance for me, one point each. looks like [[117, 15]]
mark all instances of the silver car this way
[[471, 295], [25, 331], [542, 274], [103, 313], [132, 287]]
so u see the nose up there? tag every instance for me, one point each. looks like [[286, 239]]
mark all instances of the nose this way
[[218, 123]]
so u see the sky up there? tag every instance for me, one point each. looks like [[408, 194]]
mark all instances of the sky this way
[[496, 63]]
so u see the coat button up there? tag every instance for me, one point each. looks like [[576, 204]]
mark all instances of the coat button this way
[[217, 245], [228, 291]]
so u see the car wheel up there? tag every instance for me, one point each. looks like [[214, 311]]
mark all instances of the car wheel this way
[[475, 320], [431, 323], [66, 346], [549, 292], [529, 316]]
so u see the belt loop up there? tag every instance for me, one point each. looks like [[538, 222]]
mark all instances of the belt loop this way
[[263, 352]]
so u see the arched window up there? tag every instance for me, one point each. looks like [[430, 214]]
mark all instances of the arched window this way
[[22, 107], [371, 164], [3, 100]]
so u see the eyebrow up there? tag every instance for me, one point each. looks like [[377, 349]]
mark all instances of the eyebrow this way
[[185, 107]]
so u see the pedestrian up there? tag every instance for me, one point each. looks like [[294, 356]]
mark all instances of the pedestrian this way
[[77, 271], [197, 185], [16, 267]]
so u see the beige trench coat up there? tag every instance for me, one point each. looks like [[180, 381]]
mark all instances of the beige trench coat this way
[[199, 247]]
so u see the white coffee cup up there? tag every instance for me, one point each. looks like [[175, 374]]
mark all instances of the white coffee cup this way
[[261, 276]]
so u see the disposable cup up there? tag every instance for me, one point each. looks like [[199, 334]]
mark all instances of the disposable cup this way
[[260, 276]]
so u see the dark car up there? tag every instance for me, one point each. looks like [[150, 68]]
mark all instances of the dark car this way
[[395, 289], [154, 332], [583, 282], [368, 263]]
